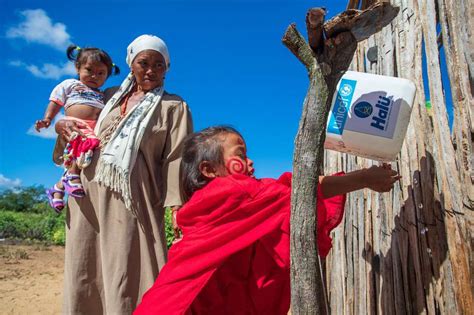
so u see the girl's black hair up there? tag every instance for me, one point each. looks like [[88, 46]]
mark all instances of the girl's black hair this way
[[205, 145], [81, 55]]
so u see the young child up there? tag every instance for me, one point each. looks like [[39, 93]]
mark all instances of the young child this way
[[234, 257], [82, 101]]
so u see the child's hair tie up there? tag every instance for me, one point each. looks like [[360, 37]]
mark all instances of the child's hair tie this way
[[78, 48], [113, 65]]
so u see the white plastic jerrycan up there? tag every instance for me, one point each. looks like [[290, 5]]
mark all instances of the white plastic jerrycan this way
[[369, 115]]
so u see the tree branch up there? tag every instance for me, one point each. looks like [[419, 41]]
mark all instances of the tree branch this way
[[296, 43], [336, 57], [362, 24], [314, 27], [326, 60]]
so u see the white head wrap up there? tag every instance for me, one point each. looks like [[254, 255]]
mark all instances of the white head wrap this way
[[145, 42]]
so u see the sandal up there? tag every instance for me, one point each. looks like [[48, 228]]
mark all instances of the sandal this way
[[55, 203], [73, 189]]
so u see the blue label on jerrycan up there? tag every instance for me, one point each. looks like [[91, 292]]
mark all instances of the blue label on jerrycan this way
[[338, 116]]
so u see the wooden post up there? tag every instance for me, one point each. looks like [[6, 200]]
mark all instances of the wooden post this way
[[326, 59]]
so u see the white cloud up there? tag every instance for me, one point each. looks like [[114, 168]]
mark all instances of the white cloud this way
[[16, 63], [7, 183], [47, 70], [37, 27], [48, 133]]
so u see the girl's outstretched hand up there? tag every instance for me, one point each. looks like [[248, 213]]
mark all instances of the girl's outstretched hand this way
[[380, 177], [42, 123]]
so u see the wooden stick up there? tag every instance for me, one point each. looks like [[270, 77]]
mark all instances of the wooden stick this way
[[325, 63], [314, 27], [362, 24], [295, 42]]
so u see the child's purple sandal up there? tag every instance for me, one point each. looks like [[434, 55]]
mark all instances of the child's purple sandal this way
[[73, 189], [55, 203]]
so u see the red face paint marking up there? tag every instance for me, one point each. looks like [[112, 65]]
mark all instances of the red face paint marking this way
[[236, 166]]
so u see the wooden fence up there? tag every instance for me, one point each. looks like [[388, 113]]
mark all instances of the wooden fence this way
[[411, 251]]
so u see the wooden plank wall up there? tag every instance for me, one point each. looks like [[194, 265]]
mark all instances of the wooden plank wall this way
[[411, 251]]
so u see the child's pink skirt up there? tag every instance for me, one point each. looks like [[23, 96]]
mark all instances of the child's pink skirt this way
[[80, 149]]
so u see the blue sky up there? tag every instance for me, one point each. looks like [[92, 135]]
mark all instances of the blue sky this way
[[227, 62]]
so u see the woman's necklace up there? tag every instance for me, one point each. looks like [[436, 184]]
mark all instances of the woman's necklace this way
[[124, 105], [107, 133]]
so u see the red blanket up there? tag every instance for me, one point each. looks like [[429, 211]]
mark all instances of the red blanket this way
[[234, 257]]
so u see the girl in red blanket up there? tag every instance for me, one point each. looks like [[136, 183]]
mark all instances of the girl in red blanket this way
[[234, 257]]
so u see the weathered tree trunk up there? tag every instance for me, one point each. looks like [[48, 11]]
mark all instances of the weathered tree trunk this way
[[326, 59], [411, 251]]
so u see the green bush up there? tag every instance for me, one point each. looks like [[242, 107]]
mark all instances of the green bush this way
[[59, 236], [31, 226], [168, 227], [25, 214], [24, 199], [49, 227]]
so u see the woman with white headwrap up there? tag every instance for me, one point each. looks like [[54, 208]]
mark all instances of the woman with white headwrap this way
[[115, 241]]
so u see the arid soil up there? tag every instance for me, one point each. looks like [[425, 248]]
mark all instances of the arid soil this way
[[31, 279]]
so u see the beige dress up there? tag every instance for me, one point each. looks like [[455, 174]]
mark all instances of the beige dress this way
[[113, 255]]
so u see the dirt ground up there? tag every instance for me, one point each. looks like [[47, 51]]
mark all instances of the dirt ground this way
[[31, 279]]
